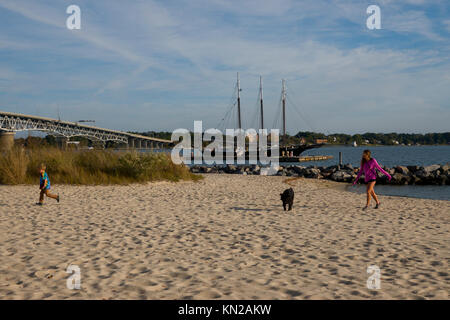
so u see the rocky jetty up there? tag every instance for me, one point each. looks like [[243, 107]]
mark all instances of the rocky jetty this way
[[401, 175]]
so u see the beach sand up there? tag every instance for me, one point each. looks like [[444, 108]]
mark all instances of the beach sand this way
[[225, 237]]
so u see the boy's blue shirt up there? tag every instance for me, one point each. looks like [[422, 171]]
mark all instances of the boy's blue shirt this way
[[42, 179]]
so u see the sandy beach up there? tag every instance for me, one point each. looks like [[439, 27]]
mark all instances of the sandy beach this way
[[225, 237]]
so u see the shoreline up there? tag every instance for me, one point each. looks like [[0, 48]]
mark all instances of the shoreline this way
[[401, 175], [339, 186], [430, 192]]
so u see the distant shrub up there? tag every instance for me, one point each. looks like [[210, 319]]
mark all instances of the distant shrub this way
[[13, 166], [21, 166]]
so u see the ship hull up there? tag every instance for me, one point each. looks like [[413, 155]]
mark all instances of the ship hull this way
[[284, 152]]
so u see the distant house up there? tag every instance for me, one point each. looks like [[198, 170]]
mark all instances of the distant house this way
[[319, 141]]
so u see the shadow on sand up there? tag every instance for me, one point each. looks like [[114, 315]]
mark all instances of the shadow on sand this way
[[246, 209]]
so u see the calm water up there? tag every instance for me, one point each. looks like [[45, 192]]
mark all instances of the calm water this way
[[426, 192], [390, 156]]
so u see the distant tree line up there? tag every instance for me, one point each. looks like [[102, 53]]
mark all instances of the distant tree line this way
[[341, 138], [300, 138], [160, 135], [378, 138]]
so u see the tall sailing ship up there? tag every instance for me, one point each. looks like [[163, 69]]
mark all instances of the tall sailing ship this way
[[286, 151]]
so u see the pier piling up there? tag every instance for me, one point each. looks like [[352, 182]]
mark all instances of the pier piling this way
[[6, 140]]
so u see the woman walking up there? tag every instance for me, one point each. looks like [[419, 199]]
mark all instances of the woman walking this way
[[368, 167]]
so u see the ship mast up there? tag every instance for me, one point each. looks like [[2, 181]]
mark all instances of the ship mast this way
[[239, 101], [283, 100], [261, 101]]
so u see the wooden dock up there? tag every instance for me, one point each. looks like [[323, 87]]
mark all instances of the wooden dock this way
[[305, 158]]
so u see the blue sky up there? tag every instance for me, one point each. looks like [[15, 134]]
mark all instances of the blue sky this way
[[159, 65]]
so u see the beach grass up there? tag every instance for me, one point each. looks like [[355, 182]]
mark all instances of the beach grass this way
[[95, 167]]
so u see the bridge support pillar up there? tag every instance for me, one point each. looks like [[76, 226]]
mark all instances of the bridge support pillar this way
[[131, 143], [61, 142], [137, 144], [6, 140]]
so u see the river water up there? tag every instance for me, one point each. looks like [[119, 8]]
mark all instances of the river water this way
[[389, 156], [392, 156]]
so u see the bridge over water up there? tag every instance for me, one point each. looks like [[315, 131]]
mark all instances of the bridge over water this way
[[10, 123]]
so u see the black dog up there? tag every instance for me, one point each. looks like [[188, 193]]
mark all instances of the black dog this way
[[288, 198]]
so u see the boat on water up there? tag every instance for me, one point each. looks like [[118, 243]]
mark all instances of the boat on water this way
[[285, 150]]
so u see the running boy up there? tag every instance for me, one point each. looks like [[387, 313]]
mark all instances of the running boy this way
[[44, 185]]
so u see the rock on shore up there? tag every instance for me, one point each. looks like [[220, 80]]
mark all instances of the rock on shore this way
[[429, 175]]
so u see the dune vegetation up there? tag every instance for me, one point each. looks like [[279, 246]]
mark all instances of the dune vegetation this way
[[21, 166]]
